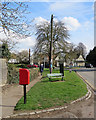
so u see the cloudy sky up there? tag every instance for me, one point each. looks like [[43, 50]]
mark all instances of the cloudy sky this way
[[77, 16]]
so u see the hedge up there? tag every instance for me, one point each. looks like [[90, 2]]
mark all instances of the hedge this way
[[13, 74]]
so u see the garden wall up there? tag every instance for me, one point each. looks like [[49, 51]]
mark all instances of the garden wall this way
[[3, 71]]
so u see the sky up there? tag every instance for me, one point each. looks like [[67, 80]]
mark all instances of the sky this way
[[77, 16]]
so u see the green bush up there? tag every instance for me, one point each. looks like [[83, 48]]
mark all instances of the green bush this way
[[33, 73], [12, 76], [13, 73], [22, 66]]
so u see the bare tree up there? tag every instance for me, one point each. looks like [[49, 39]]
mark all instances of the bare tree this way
[[23, 56], [81, 49], [68, 49], [13, 18], [60, 34], [13, 21]]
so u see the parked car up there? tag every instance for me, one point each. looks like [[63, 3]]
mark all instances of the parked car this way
[[32, 66], [35, 65], [88, 65]]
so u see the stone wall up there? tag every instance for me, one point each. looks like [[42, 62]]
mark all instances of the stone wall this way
[[3, 71]]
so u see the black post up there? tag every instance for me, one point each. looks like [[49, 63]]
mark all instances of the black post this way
[[62, 69], [24, 94]]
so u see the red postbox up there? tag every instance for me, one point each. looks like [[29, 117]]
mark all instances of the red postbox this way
[[24, 76]]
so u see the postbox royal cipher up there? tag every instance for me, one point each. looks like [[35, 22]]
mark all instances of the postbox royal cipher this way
[[24, 76]]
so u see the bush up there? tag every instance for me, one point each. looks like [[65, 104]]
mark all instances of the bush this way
[[22, 66], [33, 73], [13, 74]]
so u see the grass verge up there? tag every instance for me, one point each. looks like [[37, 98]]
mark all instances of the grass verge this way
[[46, 94]]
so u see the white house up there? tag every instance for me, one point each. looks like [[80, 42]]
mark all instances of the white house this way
[[13, 61], [80, 61]]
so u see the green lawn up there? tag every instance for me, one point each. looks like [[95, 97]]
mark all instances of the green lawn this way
[[46, 94]]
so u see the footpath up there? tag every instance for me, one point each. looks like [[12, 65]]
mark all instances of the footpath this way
[[11, 95], [81, 109]]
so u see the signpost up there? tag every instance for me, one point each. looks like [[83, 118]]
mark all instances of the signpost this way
[[24, 79]]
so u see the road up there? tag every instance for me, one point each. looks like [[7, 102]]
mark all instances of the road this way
[[90, 76]]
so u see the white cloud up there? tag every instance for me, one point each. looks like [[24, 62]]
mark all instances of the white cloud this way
[[55, 20], [5, 34], [23, 43], [29, 41], [22, 50], [71, 23], [2, 34], [40, 20]]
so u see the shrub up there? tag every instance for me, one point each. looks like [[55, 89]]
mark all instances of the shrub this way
[[22, 66], [13, 74], [33, 73]]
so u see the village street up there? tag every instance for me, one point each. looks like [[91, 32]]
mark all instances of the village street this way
[[82, 109], [47, 59]]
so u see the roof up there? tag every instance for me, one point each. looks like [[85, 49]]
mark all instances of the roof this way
[[80, 58]]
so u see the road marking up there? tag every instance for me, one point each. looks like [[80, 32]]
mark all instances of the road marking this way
[[91, 85], [87, 82]]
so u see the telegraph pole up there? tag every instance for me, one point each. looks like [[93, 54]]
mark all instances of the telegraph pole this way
[[51, 44], [29, 56]]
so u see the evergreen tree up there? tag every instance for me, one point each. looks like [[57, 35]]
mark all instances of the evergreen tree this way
[[5, 51], [91, 57]]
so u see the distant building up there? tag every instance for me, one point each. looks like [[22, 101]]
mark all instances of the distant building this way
[[80, 61], [13, 61], [58, 60]]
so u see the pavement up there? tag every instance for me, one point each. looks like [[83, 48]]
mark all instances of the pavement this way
[[11, 95]]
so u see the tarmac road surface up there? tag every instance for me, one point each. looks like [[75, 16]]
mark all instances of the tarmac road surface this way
[[90, 76]]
